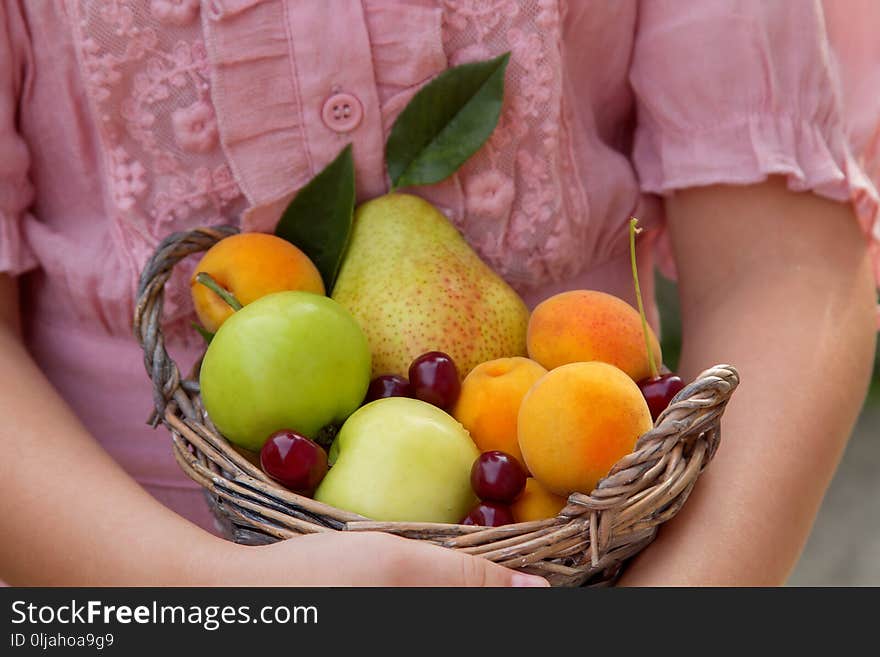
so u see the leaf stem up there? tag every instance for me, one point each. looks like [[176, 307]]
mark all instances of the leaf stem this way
[[633, 229], [205, 333], [208, 281]]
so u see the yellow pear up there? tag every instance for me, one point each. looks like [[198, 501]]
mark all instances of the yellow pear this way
[[415, 285]]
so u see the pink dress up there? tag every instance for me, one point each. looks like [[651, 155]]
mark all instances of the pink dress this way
[[122, 121]]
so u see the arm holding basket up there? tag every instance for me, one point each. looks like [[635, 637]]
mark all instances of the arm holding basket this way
[[779, 283], [70, 515]]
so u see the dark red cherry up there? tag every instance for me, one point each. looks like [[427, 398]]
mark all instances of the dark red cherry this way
[[434, 379], [388, 385], [489, 514], [497, 477], [294, 461], [659, 391]]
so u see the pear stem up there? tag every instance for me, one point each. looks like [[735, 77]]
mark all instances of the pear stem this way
[[633, 229], [208, 281]]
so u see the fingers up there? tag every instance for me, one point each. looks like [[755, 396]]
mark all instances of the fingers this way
[[422, 564], [376, 559], [477, 571]]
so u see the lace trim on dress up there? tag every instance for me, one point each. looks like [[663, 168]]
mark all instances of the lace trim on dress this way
[[522, 189], [146, 74]]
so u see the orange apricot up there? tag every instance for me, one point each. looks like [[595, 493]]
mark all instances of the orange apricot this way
[[577, 421], [536, 503], [586, 325], [488, 404], [250, 266]]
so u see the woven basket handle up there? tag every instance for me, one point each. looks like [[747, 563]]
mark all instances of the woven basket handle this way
[[162, 370], [648, 486]]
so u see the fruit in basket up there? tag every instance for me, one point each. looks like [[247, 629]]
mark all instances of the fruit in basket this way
[[294, 461], [250, 266], [490, 398], [536, 503], [489, 514], [388, 385], [659, 390], [415, 285], [577, 421], [401, 459], [497, 477], [435, 379], [585, 325], [290, 359]]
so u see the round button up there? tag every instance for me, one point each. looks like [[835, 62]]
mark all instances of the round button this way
[[342, 112]]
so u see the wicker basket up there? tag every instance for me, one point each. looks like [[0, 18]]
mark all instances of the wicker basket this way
[[588, 543]]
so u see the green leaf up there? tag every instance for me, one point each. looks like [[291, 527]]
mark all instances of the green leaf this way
[[445, 123], [205, 333], [318, 219]]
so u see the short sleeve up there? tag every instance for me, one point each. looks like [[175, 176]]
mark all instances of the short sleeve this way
[[852, 29], [731, 91], [16, 191]]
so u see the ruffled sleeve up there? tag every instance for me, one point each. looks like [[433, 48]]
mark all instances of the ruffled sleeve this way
[[16, 191], [731, 92]]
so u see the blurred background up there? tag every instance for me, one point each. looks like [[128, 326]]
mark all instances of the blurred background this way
[[844, 547]]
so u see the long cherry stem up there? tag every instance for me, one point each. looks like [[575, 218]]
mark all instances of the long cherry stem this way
[[208, 281], [633, 229]]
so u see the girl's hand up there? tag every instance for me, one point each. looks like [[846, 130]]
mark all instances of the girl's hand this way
[[357, 559]]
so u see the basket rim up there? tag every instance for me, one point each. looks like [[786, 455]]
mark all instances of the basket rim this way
[[607, 486]]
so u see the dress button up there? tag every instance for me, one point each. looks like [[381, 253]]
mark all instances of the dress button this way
[[342, 112]]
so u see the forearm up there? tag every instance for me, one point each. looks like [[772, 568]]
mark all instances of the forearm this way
[[782, 436], [68, 513], [803, 344]]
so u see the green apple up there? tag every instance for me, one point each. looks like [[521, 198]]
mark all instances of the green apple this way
[[290, 360], [400, 459]]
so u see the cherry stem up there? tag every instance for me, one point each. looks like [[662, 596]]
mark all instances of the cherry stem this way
[[208, 281], [633, 229]]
